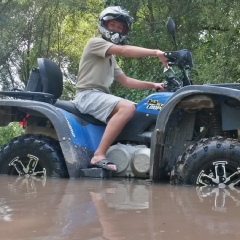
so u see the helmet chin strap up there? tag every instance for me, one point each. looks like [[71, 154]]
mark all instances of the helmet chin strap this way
[[110, 36], [115, 38]]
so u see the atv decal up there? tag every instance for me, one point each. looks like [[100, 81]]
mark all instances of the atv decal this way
[[70, 128], [154, 105]]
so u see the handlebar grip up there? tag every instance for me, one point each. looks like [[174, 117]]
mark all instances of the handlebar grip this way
[[171, 54]]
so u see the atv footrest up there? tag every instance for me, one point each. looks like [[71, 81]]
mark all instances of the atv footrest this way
[[95, 173]]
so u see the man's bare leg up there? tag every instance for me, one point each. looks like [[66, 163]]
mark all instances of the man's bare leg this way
[[119, 117]]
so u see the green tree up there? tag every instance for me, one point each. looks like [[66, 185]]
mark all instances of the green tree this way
[[55, 29], [59, 30]]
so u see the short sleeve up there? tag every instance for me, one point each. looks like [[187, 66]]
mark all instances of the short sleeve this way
[[99, 46]]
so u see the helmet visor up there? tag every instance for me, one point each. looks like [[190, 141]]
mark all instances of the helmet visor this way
[[116, 26], [120, 18]]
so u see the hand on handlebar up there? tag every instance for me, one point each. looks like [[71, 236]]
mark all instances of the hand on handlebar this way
[[159, 87], [164, 60]]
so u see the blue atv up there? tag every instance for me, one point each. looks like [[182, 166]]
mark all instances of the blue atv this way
[[187, 134]]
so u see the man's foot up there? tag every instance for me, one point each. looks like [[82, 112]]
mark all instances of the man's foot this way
[[105, 164]]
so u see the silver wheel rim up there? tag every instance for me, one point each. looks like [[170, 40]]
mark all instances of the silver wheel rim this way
[[219, 175], [29, 169]]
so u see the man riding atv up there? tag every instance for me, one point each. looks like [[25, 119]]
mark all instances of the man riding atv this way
[[98, 68]]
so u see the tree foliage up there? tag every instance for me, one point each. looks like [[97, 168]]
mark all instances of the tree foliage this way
[[9, 132], [210, 29], [59, 30], [54, 29]]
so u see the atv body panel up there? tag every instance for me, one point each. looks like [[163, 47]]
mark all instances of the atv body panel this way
[[78, 139], [187, 118], [153, 103]]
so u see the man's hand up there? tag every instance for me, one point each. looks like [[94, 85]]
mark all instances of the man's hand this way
[[159, 87], [163, 59]]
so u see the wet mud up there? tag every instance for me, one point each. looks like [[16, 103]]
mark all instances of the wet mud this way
[[97, 209]]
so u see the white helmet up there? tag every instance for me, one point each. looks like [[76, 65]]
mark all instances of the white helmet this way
[[117, 13]]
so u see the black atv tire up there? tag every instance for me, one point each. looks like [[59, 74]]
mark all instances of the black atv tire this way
[[23, 151], [205, 162]]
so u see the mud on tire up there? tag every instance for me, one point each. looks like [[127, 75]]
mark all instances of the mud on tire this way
[[33, 155], [210, 162]]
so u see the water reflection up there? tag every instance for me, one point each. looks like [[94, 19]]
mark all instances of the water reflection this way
[[40, 208], [220, 196], [27, 185], [5, 211]]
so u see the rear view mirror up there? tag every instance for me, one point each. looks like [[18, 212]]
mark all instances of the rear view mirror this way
[[171, 27], [172, 30]]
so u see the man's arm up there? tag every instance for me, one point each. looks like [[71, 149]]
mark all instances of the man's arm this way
[[136, 52], [138, 84]]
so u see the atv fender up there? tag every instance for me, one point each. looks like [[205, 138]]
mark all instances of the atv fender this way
[[208, 93], [78, 139]]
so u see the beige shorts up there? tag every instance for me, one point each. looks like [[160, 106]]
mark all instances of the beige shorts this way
[[96, 103]]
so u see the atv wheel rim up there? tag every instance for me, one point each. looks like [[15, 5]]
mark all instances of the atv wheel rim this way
[[27, 168], [220, 174]]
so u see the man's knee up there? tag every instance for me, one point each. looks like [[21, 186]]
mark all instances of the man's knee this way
[[126, 107], [132, 108], [129, 109]]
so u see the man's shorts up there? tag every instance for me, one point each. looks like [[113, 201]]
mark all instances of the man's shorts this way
[[96, 103]]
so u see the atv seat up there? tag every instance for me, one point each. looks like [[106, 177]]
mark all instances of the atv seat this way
[[45, 84], [70, 107]]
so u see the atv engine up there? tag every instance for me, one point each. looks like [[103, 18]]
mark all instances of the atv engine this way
[[132, 161]]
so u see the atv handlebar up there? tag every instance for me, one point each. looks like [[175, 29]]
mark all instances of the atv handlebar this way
[[182, 58], [176, 79]]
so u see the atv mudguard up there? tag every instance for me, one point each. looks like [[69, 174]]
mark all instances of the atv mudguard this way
[[218, 92], [78, 139]]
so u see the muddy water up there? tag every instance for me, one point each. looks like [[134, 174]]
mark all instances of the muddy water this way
[[107, 209]]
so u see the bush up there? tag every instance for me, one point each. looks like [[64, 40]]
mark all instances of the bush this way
[[9, 132]]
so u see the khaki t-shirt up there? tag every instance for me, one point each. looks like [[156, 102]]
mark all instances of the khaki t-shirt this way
[[96, 71]]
